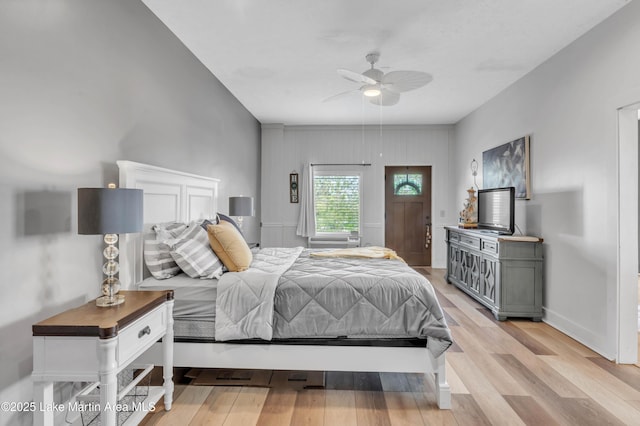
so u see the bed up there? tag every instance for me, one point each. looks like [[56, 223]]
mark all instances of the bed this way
[[209, 315]]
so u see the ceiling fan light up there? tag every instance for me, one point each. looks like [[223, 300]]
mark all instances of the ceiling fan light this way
[[371, 91]]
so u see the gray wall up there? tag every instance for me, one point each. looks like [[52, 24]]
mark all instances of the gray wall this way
[[84, 83], [287, 148], [568, 104]]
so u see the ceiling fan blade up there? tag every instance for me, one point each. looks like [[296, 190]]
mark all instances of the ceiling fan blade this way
[[355, 76], [403, 81], [341, 95], [386, 98]]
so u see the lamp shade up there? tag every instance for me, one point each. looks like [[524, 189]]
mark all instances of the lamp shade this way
[[240, 206], [109, 210]]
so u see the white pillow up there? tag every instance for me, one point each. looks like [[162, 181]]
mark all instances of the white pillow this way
[[193, 254]]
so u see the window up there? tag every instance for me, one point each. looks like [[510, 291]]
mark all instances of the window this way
[[407, 184], [337, 198]]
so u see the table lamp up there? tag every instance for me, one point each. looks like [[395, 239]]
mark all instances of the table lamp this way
[[109, 212], [240, 207]]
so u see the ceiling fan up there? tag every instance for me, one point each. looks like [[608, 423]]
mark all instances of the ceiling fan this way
[[380, 88]]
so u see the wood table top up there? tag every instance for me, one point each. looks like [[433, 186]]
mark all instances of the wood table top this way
[[94, 321]]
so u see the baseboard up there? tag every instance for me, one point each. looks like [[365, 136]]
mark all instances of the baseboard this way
[[577, 332]]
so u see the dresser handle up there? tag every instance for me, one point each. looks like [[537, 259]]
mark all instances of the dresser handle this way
[[146, 330]]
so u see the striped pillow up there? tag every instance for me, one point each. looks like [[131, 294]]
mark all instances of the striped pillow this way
[[157, 254], [193, 254]]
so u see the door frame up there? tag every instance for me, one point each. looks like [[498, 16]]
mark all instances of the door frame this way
[[627, 247]]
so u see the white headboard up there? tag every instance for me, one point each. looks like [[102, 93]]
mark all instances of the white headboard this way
[[169, 195]]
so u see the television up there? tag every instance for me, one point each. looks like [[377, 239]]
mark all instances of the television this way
[[496, 209]]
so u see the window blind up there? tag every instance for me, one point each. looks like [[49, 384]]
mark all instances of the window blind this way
[[337, 203]]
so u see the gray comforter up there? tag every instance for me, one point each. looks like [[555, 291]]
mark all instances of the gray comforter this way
[[286, 293]]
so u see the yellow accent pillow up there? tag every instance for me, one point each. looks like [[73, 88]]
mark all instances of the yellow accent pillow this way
[[229, 245]]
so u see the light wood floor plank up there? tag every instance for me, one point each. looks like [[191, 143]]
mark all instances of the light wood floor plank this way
[[490, 368], [456, 384], [630, 374], [464, 303], [497, 341], [530, 411], [569, 342], [340, 408], [278, 407], [467, 411], [462, 319], [431, 414], [520, 335], [309, 408], [217, 406], [634, 404], [507, 344], [371, 409], [599, 390], [568, 411], [494, 406], [577, 366], [154, 417], [247, 407], [186, 406], [402, 409]]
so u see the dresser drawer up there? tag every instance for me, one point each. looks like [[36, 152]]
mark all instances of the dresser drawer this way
[[141, 334], [469, 241], [490, 247]]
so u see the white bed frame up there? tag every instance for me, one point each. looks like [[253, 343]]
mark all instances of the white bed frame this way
[[177, 196]]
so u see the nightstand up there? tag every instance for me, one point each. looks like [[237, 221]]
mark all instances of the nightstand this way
[[94, 344]]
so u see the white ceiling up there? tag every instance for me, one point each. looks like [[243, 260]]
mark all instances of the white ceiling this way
[[279, 57]]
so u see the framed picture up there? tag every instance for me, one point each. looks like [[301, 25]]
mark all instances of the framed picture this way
[[508, 165], [293, 188]]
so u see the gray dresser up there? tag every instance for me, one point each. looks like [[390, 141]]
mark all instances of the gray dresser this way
[[504, 273]]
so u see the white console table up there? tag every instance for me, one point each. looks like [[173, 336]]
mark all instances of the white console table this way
[[93, 344]]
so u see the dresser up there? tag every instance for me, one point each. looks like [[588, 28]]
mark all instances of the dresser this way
[[94, 344], [503, 273]]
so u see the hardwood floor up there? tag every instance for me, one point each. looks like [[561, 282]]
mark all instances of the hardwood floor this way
[[501, 373]]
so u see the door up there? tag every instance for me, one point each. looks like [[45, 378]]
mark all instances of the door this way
[[408, 227]]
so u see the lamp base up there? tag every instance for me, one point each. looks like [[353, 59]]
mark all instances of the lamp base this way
[[106, 301]]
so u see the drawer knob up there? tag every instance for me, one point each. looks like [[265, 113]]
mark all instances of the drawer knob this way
[[144, 331]]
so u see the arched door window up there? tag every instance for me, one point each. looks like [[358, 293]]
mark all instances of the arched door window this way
[[407, 184]]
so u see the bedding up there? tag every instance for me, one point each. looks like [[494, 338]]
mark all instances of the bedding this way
[[370, 252], [245, 302], [288, 294], [194, 299]]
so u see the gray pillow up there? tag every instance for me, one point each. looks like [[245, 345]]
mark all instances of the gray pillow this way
[[193, 253]]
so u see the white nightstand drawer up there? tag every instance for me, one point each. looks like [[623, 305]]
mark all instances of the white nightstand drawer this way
[[138, 336]]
